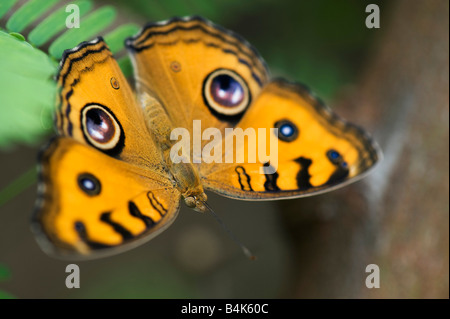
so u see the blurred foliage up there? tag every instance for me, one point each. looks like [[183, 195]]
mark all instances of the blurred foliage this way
[[169, 283], [5, 274], [18, 185]]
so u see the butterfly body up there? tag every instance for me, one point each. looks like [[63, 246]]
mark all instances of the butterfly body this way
[[109, 181], [184, 175]]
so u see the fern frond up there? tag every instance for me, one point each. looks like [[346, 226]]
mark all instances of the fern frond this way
[[54, 24], [29, 13]]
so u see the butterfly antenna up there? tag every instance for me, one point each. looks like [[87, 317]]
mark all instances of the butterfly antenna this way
[[245, 250]]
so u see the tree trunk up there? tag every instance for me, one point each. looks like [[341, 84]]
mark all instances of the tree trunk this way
[[398, 216]]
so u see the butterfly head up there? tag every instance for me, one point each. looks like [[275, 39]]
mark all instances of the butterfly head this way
[[189, 185], [197, 202]]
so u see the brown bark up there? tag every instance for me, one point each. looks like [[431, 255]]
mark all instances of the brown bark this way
[[398, 217]]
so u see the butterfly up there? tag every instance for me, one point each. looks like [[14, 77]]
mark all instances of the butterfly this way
[[107, 182]]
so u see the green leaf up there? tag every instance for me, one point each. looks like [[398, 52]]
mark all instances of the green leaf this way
[[18, 36], [125, 66], [116, 38], [28, 91], [89, 27], [5, 5], [55, 23], [28, 13]]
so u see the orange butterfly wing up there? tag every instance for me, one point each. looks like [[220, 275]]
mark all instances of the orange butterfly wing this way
[[317, 151], [93, 205]]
